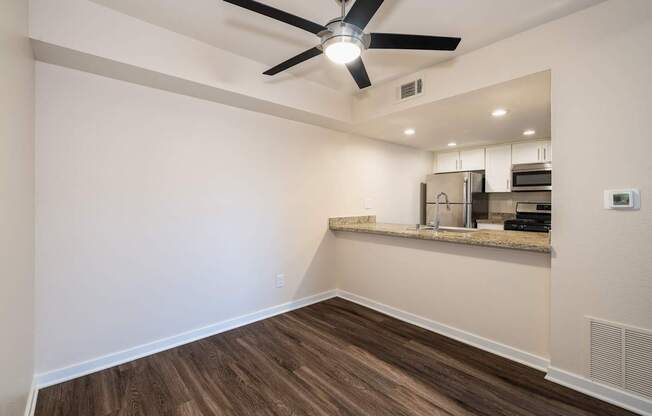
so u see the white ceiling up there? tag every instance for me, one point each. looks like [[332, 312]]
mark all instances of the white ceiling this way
[[466, 119], [478, 22]]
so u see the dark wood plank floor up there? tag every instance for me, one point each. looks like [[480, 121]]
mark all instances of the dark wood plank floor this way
[[331, 358]]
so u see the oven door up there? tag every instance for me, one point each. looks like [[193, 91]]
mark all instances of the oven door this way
[[532, 177]]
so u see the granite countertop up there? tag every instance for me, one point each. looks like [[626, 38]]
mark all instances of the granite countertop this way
[[519, 240]]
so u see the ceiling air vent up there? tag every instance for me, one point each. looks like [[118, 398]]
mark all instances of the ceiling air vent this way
[[410, 89], [621, 356]]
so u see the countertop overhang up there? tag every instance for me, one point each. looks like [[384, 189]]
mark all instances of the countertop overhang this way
[[517, 240]]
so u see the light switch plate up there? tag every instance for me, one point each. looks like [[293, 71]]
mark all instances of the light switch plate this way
[[368, 203]]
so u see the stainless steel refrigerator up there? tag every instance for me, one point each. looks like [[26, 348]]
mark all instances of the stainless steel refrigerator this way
[[467, 201]]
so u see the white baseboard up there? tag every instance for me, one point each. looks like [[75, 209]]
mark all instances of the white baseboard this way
[[87, 367], [30, 406], [494, 347], [601, 391]]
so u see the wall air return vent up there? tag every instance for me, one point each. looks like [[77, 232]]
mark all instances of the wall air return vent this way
[[638, 362], [606, 353], [410, 89], [621, 356]]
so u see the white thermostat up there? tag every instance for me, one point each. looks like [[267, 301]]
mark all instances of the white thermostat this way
[[622, 199]]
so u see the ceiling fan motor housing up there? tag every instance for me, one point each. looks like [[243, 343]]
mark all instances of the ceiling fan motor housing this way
[[338, 30], [343, 38]]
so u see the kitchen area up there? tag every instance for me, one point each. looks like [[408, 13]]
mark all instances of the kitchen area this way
[[504, 187], [475, 263], [491, 178], [476, 268], [494, 196]]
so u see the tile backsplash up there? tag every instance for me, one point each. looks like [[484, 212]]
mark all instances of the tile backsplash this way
[[506, 202]]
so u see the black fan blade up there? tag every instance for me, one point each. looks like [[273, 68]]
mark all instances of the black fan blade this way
[[304, 56], [362, 12], [359, 73], [284, 17], [398, 41]]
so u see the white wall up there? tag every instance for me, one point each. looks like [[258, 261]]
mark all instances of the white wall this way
[[601, 123], [16, 208], [116, 245], [84, 35], [600, 60], [159, 213], [497, 294]]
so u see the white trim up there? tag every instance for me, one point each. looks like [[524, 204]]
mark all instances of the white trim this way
[[520, 356], [30, 406], [601, 391], [110, 360], [576, 382]]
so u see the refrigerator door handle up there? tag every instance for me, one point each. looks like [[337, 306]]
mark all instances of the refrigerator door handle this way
[[466, 201]]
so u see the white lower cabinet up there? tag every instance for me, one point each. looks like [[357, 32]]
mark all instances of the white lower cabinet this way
[[486, 226], [498, 169]]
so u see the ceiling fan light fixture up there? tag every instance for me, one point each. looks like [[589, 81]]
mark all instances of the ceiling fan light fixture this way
[[343, 38], [343, 49]]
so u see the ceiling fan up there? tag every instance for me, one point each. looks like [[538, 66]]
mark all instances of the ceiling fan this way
[[343, 38]]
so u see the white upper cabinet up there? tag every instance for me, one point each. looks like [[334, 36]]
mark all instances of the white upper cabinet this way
[[460, 161], [547, 152], [496, 161], [471, 160], [531, 152], [498, 172], [447, 162]]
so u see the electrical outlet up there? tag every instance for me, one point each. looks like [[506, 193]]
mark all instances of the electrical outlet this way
[[280, 280]]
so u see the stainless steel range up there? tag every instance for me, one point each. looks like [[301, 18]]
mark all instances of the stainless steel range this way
[[531, 216]]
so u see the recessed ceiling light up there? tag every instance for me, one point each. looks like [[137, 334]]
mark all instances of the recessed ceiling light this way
[[499, 112], [452, 144], [529, 132], [409, 132]]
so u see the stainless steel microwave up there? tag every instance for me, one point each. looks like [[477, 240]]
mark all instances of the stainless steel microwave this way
[[532, 177]]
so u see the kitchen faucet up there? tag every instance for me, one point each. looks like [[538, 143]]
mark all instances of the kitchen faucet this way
[[437, 216]]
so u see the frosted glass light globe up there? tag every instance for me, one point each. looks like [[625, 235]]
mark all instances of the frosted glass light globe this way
[[342, 49]]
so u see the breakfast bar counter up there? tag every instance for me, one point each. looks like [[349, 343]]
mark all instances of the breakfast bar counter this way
[[518, 240]]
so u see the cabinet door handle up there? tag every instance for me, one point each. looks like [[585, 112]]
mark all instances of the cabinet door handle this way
[[539, 154], [508, 184], [461, 164], [456, 163], [544, 153]]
